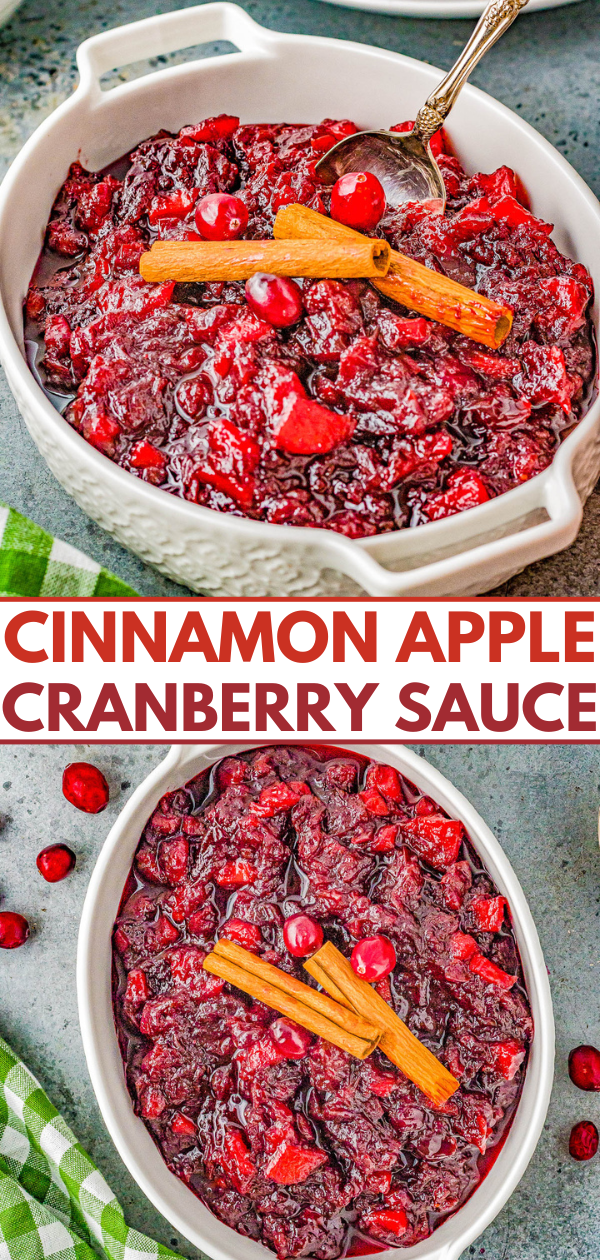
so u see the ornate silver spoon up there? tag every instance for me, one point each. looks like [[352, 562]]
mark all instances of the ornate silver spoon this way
[[403, 161]]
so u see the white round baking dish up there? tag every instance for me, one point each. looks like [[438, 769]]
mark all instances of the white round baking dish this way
[[438, 8], [276, 76], [129, 1134]]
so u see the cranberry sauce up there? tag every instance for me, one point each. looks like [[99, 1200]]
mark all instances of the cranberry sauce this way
[[287, 1139], [189, 388]]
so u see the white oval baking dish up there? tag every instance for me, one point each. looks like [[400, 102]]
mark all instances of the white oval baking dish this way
[[276, 76], [129, 1134]]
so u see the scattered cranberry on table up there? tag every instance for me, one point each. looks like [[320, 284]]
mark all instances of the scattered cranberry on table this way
[[14, 929], [85, 787], [373, 958], [274, 298], [584, 1067], [221, 217], [302, 935], [583, 1142], [358, 200], [55, 862]]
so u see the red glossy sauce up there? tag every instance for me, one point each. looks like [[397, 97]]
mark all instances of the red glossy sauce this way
[[189, 389]]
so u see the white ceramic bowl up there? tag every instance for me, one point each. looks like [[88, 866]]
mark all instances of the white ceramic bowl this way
[[438, 8], [130, 1135], [294, 77]]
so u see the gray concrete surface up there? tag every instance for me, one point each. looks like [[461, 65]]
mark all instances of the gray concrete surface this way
[[547, 68], [542, 803]]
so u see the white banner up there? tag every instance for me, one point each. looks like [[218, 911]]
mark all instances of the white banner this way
[[185, 670]]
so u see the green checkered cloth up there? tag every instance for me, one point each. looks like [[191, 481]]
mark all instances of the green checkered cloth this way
[[53, 1200], [33, 562]]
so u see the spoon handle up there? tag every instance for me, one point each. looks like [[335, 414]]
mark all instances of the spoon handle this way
[[496, 18]]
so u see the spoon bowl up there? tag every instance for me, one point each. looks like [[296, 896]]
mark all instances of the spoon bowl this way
[[403, 164], [402, 161]]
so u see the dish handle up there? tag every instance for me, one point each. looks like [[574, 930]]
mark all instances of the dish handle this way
[[489, 553], [163, 34]]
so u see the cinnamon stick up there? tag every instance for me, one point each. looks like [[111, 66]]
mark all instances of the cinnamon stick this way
[[409, 282], [281, 998], [188, 261], [329, 967], [342, 1014], [318, 974]]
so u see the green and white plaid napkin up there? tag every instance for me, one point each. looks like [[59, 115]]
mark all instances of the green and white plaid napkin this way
[[53, 1200], [33, 562]]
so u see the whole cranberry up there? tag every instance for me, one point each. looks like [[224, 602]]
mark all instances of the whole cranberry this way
[[14, 929], [293, 1041], [302, 935], [221, 217], [358, 200], [55, 862], [274, 298], [584, 1067], [583, 1142], [373, 958], [85, 787]]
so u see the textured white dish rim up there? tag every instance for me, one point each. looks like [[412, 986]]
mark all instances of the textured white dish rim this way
[[129, 1134]]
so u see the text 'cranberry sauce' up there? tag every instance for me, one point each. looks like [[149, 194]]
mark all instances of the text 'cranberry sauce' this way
[[191, 388], [287, 1139]]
